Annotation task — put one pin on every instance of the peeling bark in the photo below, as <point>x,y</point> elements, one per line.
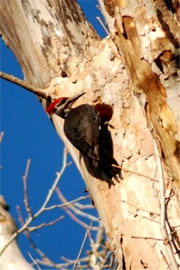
<point>134,71</point>
<point>47,37</point>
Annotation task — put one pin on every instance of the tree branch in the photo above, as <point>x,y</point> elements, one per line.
<point>31,88</point>
<point>82,246</point>
<point>25,177</point>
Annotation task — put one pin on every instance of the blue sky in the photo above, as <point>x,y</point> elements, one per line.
<point>28,133</point>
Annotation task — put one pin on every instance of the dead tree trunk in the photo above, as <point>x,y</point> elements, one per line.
<point>134,70</point>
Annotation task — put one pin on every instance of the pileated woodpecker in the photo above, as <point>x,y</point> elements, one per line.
<point>85,127</point>
<point>81,126</point>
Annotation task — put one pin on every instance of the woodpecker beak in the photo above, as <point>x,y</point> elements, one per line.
<point>64,106</point>
<point>70,101</point>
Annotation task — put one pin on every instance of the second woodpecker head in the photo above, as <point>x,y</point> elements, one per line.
<point>62,106</point>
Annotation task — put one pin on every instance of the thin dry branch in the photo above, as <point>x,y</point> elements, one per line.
<point>34,261</point>
<point>83,206</point>
<point>33,245</point>
<point>25,178</point>
<point>74,209</point>
<point>102,24</point>
<point>67,203</point>
<point>73,217</point>
<point>146,238</point>
<point>27,232</point>
<point>63,266</point>
<point>43,225</point>
<point>135,172</point>
<point>31,88</point>
<point>77,212</point>
<point>82,245</point>
<point>95,245</point>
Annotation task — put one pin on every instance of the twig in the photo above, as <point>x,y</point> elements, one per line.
<point>95,245</point>
<point>33,245</point>
<point>63,266</point>
<point>102,24</point>
<point>34,261</point>
<point>146,238</point>
<point>138,173</point>
<point>31,88</point>
<point>42,225</point>
<point>83,206</point>
<point>100,235</point>
<point>164,257</point>
<point>166,240</point>
<point>76,211</point>
<point>82,246</point>
<point>51,191</point>
<point>67,203</point>
<point>136,213</point>
<point>25,177</point>
<point>139,209</point>
<point>174,229</point>
<point>77,220</point>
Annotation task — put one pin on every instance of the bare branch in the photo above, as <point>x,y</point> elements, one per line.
<point>31,88</point>
<point>95,245</point>
<point>51,191</point>
<point>103,26</point>
<point>33,245</point>
<point>146,238</point>
<point>75,210</point>
<point>25,177</point>
<point>138,173</point>
<point>32,229</point>
<point>83,206</point>
<point>77,220</point>
<point>82,246</point>
<point>66,204</point>
<point>34,261</point>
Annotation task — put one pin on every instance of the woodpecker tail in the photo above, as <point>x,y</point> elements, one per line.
<point>107,163</point>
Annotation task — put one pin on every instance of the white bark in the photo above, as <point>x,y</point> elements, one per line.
<point>12,258</point>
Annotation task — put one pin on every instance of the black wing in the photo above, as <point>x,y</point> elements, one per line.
<point>82,127</point>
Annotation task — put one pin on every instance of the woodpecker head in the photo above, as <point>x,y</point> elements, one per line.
<point>62,105</point>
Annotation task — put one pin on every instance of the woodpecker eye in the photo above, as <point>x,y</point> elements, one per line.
<point>61,102</point>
